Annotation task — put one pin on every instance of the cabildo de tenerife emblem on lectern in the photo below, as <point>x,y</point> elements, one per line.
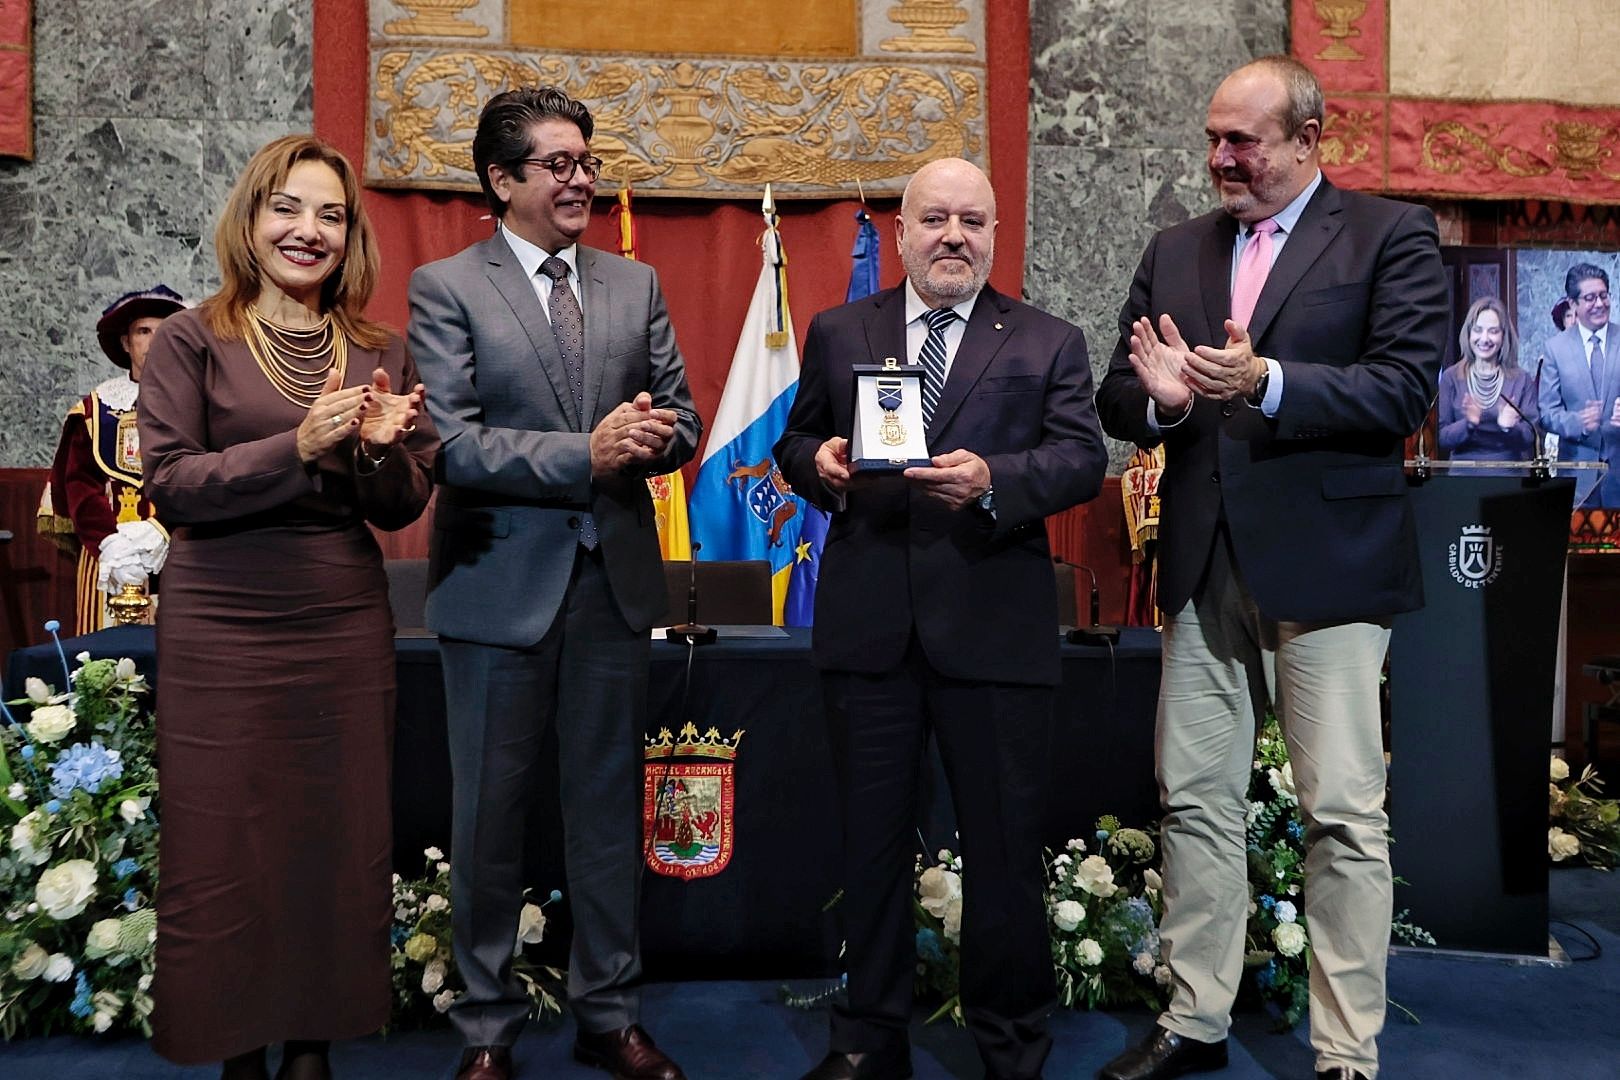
<point>689,801</point>
<point>1476,558</point>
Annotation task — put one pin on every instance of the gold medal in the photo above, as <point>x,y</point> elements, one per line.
<point>891,432</point>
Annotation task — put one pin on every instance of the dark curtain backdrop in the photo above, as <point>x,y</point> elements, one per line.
<point>703,249</point>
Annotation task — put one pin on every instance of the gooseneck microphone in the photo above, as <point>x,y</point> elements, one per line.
<point>691,632</point>
<point>1093,633</point>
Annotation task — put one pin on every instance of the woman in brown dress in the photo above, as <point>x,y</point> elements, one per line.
<point>271,436</point>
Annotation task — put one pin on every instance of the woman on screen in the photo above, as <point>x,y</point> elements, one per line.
<point>1487,407</point>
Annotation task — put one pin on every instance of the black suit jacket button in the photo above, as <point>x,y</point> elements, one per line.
<point>573,522</point>
<point>1227,410</point>
<point>1214,477</point>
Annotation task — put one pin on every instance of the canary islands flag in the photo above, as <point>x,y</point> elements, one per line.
<point>801,597</point>
<point>741,507</point>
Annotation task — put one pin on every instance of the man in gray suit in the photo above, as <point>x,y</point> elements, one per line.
<point>557,388</point>
<point>1580,385</point>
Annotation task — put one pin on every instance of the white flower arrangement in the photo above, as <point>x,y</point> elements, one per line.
<point>77,873</point>
<point>1584,826</point>
<point>426,982</point>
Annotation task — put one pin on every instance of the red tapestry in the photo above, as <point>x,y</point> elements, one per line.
<point>1501,137</point>
<point>16,79</point>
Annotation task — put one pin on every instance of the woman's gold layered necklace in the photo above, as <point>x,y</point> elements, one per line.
<point>296,360</point>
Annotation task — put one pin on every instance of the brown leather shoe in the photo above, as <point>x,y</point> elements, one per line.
<point>485,1063</point>
<point>629,1054</point>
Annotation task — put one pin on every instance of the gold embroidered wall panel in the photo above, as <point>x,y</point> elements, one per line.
<point>706,98</point>
<point>16,79</point>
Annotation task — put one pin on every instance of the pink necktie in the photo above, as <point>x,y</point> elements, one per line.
<point>1253,266</point>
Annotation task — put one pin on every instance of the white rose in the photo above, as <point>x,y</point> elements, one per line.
<point>1090,952</point>
<point>1286,912</point>
<point>64,891</point>
<point>102,939</point>
<point>1289,937</point>
<point>16,791</point>
<point>936,888</point>
<point>1152,880</point>
<point>30,963</point>
<point>443,1000</point>
<point>1068,915</point>
<point>126,670</point>
<point>443,867</point>
<point>435,902</point>
<point>133,810</point>
<point>433,976</point>
<point>58,969</point>
<point>1143,963</point>
<point>1560,769</point>
<point>531,926</point>
<point>1561,845</point>
<point>1076,845</point>
<point>433,853</point>
<point>36,690</point>
<point>1282,781</point>
<point>50,722</point>
<point>1096,877</point>
<point>952,920</point>
<point>1161,974</point>
<point>23,837</point>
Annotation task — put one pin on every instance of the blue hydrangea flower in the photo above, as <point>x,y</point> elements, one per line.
<point>132,899</point>
<point>1266,977</point>
<point>1141,911</point>
<point>81,1006</point>
<point>1295,830</point>
<point>123,868</point>
<point>928,946</point>
<point>53,806</point>
<point>84,766</point>
<point>1268,902</point>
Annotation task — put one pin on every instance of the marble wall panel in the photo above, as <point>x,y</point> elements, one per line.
<point>1119,90</point>
<point>147,110</point>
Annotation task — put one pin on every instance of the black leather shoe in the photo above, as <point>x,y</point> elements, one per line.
<point>877,1065</point>
<point>1165,1054</point>
<point>1340,1072</point>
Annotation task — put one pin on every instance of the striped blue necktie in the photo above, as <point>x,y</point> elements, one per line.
<point>932,358</point>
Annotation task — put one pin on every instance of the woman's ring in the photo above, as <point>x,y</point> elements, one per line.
<point>337,421</point>
<point>410,429</point>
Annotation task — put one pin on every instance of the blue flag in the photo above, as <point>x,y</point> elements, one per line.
<point>865,267</point>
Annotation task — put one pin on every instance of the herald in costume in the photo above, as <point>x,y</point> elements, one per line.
<point>93,501</point>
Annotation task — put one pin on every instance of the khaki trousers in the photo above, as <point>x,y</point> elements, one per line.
<point>1223,661</point>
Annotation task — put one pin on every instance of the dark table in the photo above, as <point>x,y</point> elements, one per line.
<point>766,911</point>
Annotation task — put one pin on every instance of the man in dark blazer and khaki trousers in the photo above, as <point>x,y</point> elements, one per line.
<point>1286,545</point>
<point>557,387</point>
<point>936,611</point>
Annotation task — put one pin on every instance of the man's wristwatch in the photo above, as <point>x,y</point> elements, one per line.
<point>1259,394</point>
<point>987,501</point>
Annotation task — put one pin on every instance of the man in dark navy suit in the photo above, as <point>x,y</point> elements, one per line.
<point>1281,348</point>
<point>936,611</point>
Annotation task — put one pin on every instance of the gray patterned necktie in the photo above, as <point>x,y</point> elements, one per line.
<point>1595,362</point>
<point>568,325</point>
<point>932,358</point>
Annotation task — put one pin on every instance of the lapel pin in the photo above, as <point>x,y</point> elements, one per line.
<point>998,326</point>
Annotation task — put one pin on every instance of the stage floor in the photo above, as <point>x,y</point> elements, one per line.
<point>1478,1020</point>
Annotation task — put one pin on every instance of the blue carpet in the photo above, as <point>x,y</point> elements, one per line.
<point>1477,1019</point>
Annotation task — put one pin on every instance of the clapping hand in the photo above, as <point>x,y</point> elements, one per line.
<point>334,417</point>
<point>1160,363</point>
<point>634,433</point>
<point>1471,410</point>
<point>386,416</point>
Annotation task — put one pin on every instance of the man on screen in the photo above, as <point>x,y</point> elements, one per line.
<point>1580,386</point>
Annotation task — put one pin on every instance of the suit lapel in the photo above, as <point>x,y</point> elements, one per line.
<point>886,327</point>
<point>987,330</point>
<point>506,274</point>
<point>1215,278</point>
<point>1314,231</point>
<point>597,306</point>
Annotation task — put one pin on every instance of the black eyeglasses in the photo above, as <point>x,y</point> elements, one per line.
<point>562,167</point>
<point>1593,298</point>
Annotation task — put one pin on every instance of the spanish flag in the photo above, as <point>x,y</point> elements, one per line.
<point>668,491</point>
